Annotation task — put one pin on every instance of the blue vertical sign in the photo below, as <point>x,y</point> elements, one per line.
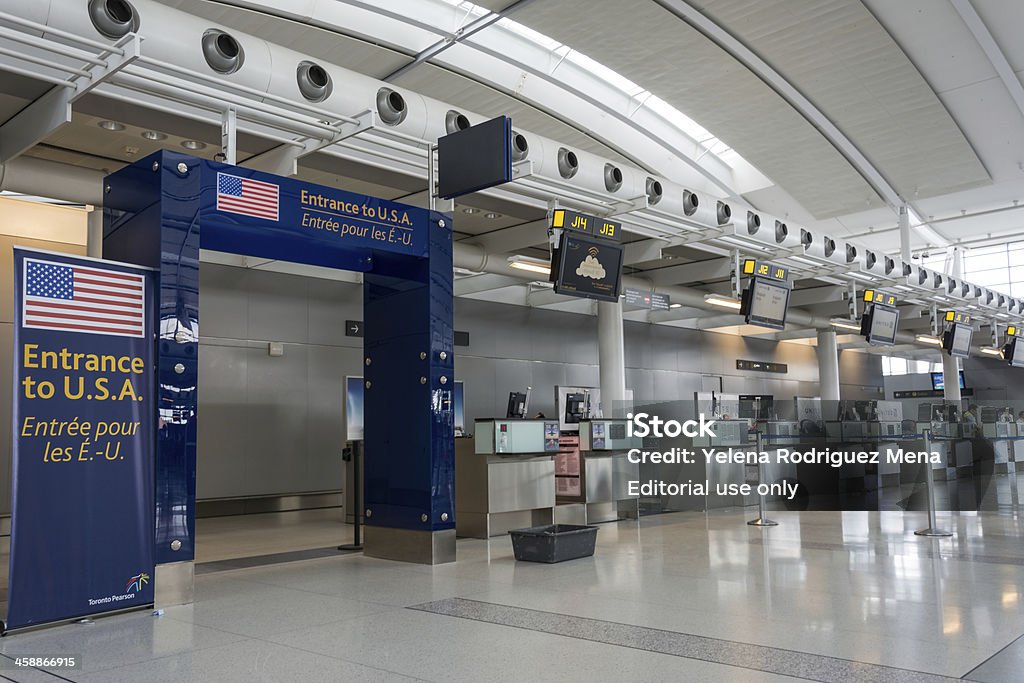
<point>84,432</point>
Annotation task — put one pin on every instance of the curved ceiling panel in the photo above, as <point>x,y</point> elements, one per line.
<point>839,56</point>
<point>654,49</point>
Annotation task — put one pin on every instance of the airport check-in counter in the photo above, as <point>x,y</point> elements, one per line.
<point>505,476</point>
<point>1003,433</point>
<point>730,436</point>
<point>605,473</point>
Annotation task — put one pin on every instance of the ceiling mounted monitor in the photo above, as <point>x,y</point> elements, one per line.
<point>765,302</point>
<point>879,324</point>
<point>957,340</point>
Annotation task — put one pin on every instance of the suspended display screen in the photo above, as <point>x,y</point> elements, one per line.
<point>1010,354</point>
<point>588,267</point>
<point>474,158</point>
<point>766,302</point>
<point>957,340</point>
<point>881,323</point>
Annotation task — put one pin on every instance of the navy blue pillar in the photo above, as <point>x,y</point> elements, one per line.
<point>151,218</point>
<point>408,399</point>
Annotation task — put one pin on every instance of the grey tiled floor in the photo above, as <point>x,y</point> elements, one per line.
<point>829,587</point>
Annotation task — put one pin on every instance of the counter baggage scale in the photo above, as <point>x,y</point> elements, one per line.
<point>593,474</point>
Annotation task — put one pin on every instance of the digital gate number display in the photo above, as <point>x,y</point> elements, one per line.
<point>591,225</point>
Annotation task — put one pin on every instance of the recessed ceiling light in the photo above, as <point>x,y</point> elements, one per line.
<point>470,209</point>
<point>111,125</point>
<point>492,215</point>
<point>153,135</point>
<point>193,144</point>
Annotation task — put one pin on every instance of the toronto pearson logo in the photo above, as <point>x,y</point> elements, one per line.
<point>136,583</point>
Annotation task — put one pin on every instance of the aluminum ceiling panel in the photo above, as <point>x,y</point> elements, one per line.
<point>656,50</point>
<point>838,55</point>
<point>460,91</point>
<point>319,43</point>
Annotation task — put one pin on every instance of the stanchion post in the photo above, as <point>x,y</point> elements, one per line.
<point>762,514</point>
<point>933,529</point>
<point>357,499</point>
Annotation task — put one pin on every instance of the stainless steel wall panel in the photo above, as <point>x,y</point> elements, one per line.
<point>278,307</point>
<point>221,457</point>
<point>223,302</point>
<point>275,421</point>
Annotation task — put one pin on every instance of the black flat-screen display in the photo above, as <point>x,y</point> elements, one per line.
<point>474,158</point>
<point>588,267</point>
<point>766,303</point>
<point>883,324</point>
<point>957,340</point>
<point>939,382</point>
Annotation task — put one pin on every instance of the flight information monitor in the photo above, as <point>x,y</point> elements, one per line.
<point>588,267</point>
<point>766,303</point>
<point>882,322</point>
<point>939,382</point>
<point>957,340</point>
<point>1010,353</point>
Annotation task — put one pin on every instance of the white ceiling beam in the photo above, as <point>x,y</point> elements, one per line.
<point>675,314</point>
<point>486,282</point>
<point>512,239</point>
<point>700,271</point>
<point>992,50</point>
<point>546,297</point>
<point>642,251</point>
<point>37,121</point>
<point>690,14</point>
<point>816,295</point>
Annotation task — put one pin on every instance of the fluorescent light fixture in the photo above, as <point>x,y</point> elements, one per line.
<point>990,351</point>
<point>529,264</point>
<point>846,325</point>
<point>926,339</point>
<point>675,305</point>
<point>722,301</point>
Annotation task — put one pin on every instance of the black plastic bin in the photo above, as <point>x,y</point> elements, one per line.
<point>553,543</point>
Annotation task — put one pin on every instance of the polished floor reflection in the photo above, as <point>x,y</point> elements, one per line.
<point>681,597</point>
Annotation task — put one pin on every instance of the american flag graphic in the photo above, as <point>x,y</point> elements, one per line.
<point>92,300</point>
<point>247,196</point>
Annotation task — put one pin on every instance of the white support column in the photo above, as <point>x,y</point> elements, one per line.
<point>951,378</point>
<point>94,233</point>
<point>905,233</point>
<point>611,352</point>
<point>828,365</point>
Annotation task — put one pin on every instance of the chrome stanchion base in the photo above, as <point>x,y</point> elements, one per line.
<point>941,533</point>
<point>761,521</point>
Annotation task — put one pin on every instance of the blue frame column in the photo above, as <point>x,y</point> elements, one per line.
<point>409,421</point>
<point>151,217</point>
